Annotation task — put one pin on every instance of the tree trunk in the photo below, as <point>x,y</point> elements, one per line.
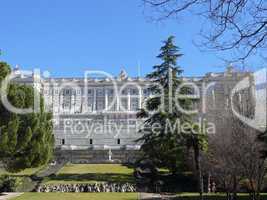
<point>227,195</point>
<point>209,189</point>
<point>235,188</point>
<point>199,169</point>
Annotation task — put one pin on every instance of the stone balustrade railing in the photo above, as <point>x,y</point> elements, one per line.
<point>87,187</point>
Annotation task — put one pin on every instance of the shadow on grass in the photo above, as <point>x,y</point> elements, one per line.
<point>95,177</point>
<point>217,197</point>
<point>77,196</point>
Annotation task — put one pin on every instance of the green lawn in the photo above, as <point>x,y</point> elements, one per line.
<point>78,196</point>
<point>88,173</point>
<point>95,169</point>
<point>216,198</point>
<point>117,196</point>
<point>222,196</point>
<point>26,172</point>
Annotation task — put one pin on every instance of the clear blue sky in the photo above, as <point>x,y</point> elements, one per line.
<point>68,37</point>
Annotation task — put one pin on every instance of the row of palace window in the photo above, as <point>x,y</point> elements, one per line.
<point>100,103</point>
<point>99,92</point>
<point>63,142</point>
<point>100,121</point>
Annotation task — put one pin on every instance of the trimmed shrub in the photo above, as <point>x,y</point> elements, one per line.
<point>9,183</point>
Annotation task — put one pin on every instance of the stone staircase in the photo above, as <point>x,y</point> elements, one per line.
<point>51,169</point>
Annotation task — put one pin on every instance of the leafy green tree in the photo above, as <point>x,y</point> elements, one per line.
<point>25,140</point>
<point>5,70</point>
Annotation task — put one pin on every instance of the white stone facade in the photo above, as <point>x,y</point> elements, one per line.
<point>89,114</point>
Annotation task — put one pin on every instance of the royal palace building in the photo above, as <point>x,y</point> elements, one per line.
<point>100,113</point>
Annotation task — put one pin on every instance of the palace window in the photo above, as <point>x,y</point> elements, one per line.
<point>132,123</point>
<point>112,103</point>
<point>110,92</point>
<point>118,141</point>
<point>123,104</point>
<point>91,141</point>
<point>100,92</point>
<point>90,92</point>
<point>90,103</point>
<point>134,104</point>
<point>134,91</point>
<point>100,103</point>
<point>63,141</point>
<point>124,92</point>
<point>146,92</point>
<point>67,92</point>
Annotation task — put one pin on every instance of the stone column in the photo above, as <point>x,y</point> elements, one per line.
<point>118,101</point>
<point>53,100</point>
<point>140,98</point>
<point>60,101</point>
<point>71,101</point>
<point>84,99</point>
<point>75,101</point>
<point>106,99</point>
<point>57,102</point>
<point>129,100</point>
<point>94,101</point>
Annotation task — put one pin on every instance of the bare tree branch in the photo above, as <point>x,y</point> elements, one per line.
<point>239,25</point>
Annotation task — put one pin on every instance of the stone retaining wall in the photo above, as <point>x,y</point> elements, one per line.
<point>97,156</point>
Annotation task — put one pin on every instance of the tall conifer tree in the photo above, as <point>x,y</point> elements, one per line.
<point>25,140</point>
<point>165,144</point>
